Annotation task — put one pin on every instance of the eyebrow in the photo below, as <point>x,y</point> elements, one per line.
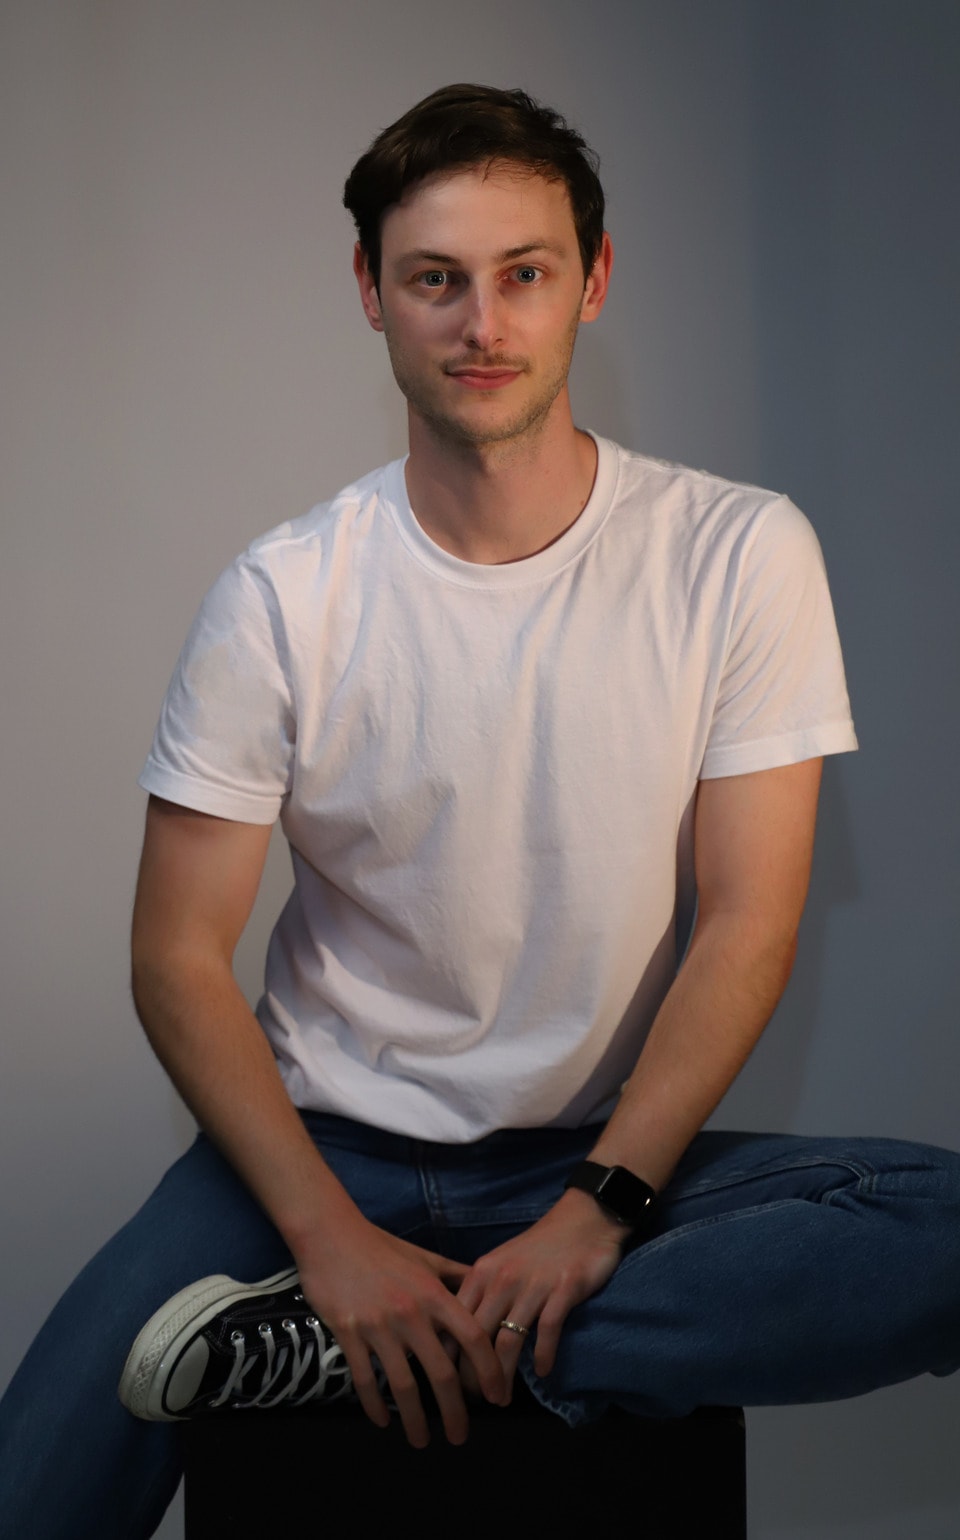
<point>443,259</point>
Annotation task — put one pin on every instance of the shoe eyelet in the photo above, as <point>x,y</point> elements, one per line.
<point>236,1336</point>
<point>286,1323</point>
<point>298,1294</point>
<point>311,1321</point>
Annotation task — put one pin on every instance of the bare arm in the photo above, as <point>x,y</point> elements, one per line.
<point>198,880</point>
<point>753,849</point>
<point>196,888</point>
<point>753,846</point>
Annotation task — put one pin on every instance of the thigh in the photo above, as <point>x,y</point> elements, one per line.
<point>202,1219</point>
<point>61,1413</point>
<point>199,1220</point>
<point>724,1172</point>
<point>779,1269</point>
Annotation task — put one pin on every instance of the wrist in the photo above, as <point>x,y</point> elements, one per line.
<point>321,1225</point>
<point>580,1209</point>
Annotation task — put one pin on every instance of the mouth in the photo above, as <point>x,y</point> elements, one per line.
<point>484,379</point>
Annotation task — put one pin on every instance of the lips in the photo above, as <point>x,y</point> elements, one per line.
<point>484,379</point>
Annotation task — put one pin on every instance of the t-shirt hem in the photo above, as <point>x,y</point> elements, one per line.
<point>187,791</point>
<point>784,749</point>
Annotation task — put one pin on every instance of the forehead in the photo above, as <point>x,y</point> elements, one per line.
<point>479,208</point>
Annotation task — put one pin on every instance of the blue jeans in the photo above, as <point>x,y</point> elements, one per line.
<point>781,1269</point>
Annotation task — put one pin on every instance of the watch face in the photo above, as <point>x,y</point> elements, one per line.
<point>624,1193</point>
<point>625,1196</point>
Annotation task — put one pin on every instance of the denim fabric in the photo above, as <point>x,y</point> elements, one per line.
<point>780,1269</point>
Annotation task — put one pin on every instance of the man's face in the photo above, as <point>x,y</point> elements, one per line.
<point>481,292</point>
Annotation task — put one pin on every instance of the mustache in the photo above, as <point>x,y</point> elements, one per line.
<point>491,361</point>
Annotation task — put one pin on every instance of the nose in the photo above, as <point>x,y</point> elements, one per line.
<point>484,325</point>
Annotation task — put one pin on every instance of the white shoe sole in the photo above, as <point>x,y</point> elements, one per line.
<point>172,1327</point>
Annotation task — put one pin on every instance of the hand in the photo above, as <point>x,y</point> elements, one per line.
<point>538,1277</point>
<point>383,1297</point>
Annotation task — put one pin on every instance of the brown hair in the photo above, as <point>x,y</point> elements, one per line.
<point>470,125</point>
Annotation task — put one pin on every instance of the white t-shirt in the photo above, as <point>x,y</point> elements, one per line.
<point>486,776</point>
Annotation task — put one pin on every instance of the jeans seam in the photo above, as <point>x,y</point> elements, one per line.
<point>656,1242</point>
<point>432,1194</point>
<point>866,1183</point>
<point>862,1171</point>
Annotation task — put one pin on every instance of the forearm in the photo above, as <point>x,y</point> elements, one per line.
<point>722,998</point>
<point>214,1050</point>
<point>382,1297</point>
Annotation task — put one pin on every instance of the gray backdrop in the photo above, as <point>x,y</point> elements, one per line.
<point>185,365</point>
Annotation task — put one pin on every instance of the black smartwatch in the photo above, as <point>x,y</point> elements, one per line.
<point>619,1193</point>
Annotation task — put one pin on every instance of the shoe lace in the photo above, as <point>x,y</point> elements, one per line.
<point>287,1367</point>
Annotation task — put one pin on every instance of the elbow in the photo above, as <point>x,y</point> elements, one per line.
<point>149,968</point>
<point>754,946</point>
<point>772,956</point>
<point>786,955</point>
<point>147,985</point>
<point>157,980</point>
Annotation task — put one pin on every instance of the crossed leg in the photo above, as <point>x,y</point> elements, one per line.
<point>781,1270</point>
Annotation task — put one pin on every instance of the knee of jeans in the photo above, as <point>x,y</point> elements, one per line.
<point>942,1184</point>
<point>933,1191</point>
<point>924,1171</point>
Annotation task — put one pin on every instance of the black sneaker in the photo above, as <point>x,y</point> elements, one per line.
<point>220,1343</point>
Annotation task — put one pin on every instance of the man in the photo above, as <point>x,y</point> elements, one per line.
<point>539,717</point>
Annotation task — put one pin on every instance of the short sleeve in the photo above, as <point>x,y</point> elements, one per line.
<point>782,695</point>
<point>225,740</point>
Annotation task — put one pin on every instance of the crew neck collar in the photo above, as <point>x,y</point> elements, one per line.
<point>512,574</point>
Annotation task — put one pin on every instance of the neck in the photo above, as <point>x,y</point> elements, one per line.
<point>495,503</point>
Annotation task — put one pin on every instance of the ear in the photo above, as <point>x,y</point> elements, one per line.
<point>595,289</point>
<point>369,298</point>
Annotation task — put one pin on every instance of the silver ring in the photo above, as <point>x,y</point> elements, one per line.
<point>521,1331</point>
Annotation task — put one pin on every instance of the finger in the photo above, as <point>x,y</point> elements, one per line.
<point>545,1349</point>
<point>500,1304</point>
<point>406,1394</point>
<point>364,1379</point>
<point>549,1327</point>
<point>509,1346</point>
<point>510,1342</point>
<point>468,1378</point>
<point>447,1390</point>
<point>487,1286</point>
<point>477,1347</point>
<point>470,1291</point>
